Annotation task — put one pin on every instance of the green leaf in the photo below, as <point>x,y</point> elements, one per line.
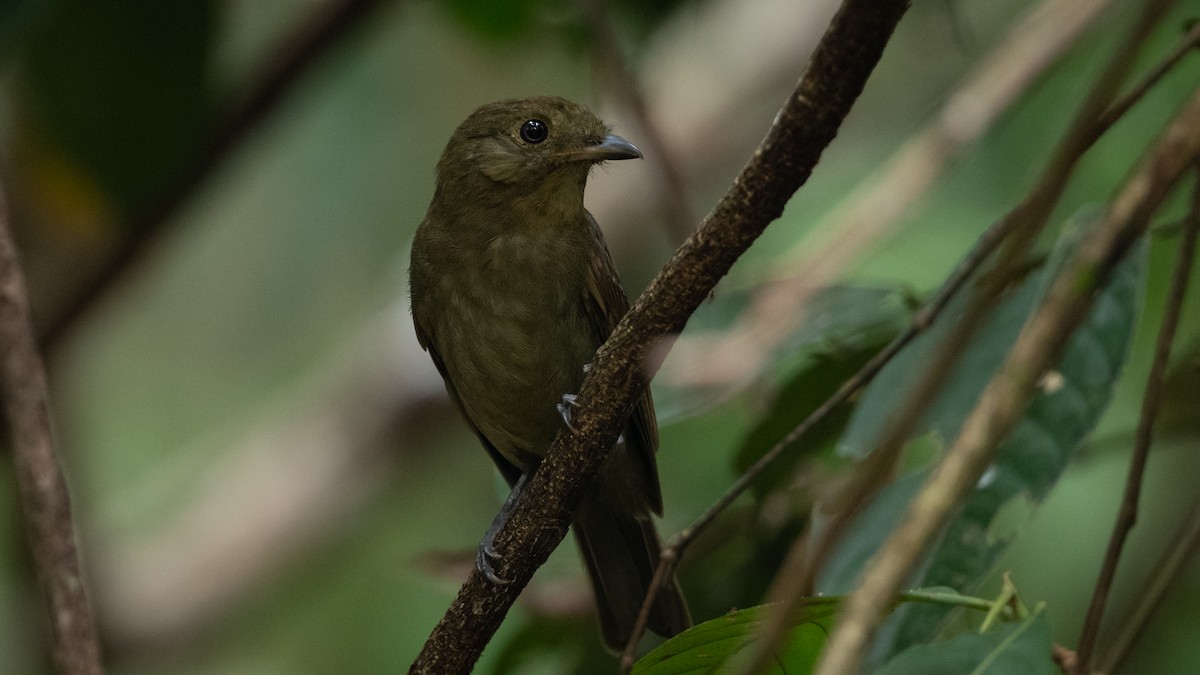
<point>706,647</point>
<point>1020,648</point>
<point>1029,462</point>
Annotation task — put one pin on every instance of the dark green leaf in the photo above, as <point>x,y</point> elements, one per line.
<point>1029,461</point>
<point>862,540</point>
<point>1019,648</point>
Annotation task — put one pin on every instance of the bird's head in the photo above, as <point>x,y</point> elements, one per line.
<point>532,144</point>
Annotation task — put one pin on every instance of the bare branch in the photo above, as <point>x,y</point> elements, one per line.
<point>803,128</point>
<point>45,500</point>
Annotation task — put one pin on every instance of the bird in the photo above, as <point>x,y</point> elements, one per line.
<point>512,290</point>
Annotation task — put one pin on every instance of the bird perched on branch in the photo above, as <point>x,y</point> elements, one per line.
<point>513,290</point>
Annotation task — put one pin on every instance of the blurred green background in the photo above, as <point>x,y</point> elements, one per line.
<point>267,475</point>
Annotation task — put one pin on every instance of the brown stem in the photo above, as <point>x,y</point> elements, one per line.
<point>1187,45</point>
<point>301,51</point>
<point>808,121</point>
<point>1127,516</point>
<point>1164,576</point>
<point>45,500</point>
<point>667,562</point>
<point>1004,400</point>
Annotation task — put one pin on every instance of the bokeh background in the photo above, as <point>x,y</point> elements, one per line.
<point>267,475</point>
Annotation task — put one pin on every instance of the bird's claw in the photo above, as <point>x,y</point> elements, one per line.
<point>483,562</point>
<point>487,551</point>
<point>564,408</point>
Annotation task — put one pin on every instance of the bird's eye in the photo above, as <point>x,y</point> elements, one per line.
<point>534,131</point>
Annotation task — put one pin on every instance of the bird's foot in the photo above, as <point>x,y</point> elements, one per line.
<point>564,408</point>
<point>487,554</point>
<point>484,559</point>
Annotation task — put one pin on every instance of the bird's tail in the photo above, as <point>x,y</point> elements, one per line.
<point>621,551</point>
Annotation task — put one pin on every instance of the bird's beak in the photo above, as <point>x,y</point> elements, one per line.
<point>612,147</point>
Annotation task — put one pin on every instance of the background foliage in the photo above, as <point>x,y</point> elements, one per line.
<point>267,475</point>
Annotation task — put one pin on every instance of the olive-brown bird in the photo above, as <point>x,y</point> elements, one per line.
<point>513,290</point>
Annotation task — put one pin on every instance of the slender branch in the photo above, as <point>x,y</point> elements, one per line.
<point>621,80</point>
<point>668,561</point>
<point>1127,516</point>
<point>1183,545</point>
<point>1003,401</point>
<point>1187,45</point>
<point>808,121</point>
<point>45,500</point>
<point>314,39</point>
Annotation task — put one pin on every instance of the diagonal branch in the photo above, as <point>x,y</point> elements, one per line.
<point>1005,397</point>
<point>808,121</point>
<point>44,497</point>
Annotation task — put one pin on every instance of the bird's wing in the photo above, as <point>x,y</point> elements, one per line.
<point>510,471</point>
<point>606,304</point>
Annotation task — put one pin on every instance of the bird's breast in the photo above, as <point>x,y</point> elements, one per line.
<point>514,335</point>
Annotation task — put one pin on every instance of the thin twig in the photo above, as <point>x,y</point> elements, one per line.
<point>1187,45</point>
<point>808,121</point>
<point>1004,400</point>
<point>1183,545</point>
<point>314,39</point>
<point>45,500</point>
<point>622,81</point>
<point>1128,514</point>
<point>667,562</point>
